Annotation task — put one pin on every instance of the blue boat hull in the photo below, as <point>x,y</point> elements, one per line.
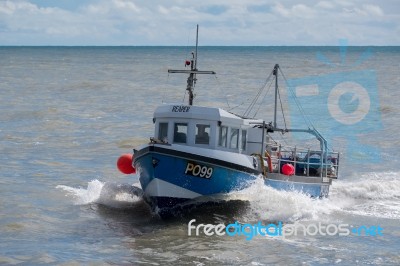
<point>170,177</point>
<point>166,178</point>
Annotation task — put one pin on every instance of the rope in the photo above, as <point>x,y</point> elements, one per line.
<point>265,95</point>
<point>283,114</point>
<point>254,101</point>
<point>302,112</point>
<point>240,104</point>
<point>223,92</point>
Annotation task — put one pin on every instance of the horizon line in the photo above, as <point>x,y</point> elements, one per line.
<point>94,45</point>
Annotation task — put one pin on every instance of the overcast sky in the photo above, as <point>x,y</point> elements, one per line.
<point>222,22</point>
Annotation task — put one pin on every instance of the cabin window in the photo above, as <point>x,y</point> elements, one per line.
<point>234,138</point>
<point>180,132</point>
<point>244,139</point>
<point>202,134</point>
<point>163,131</point>
<point>223,135</point>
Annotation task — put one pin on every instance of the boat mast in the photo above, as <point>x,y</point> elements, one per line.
<point>191,81</point>
<point>275,73</point>
<point>197,45</point>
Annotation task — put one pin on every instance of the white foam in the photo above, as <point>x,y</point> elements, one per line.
<point>83,196</point>
<point>109,194</point>
<point>373,186</point>
<point>270,204</point>
<point>374,194</point>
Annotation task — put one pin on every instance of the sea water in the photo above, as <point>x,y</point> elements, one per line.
<point>67,113</point>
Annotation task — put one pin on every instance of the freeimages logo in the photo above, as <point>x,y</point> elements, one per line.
<point>341,105</point>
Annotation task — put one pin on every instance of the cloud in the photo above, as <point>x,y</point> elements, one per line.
<point>325,5</point>
<point>214,9</point>
<point>372,10</point>
<point>24,18</point>
<point>297,11</point>
<point>281,10</point>
<point>235,22</point>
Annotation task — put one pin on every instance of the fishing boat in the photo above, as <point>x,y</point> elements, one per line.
<point>199,151</point>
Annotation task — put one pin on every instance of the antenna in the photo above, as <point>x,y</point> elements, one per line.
<point>191,81</point>
<point>197,44</point>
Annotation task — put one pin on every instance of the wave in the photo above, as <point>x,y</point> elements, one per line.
<point>109,194</point>
<point>269,204</point>
<point>373,194</point>
<point>82,196</point>
<point>371,186</point>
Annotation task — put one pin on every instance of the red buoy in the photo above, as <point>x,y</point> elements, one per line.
<point>124,164</point>
<point>288,169</point>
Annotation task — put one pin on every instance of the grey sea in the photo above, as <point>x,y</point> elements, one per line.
<point>68,113</point>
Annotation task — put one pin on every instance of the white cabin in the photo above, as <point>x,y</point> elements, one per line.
<point>207,127</point>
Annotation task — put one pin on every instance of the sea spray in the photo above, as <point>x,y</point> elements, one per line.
<point>108,194</point>
<point>369,195</point>
<point>83,196</point>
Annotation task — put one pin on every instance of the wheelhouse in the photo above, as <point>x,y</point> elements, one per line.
<point>204,127</point>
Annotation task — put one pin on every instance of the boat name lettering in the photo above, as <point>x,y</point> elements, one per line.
<point>199,170</point>
<point>180,109</point>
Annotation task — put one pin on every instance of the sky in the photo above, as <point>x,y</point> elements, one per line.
<point>221,22</point>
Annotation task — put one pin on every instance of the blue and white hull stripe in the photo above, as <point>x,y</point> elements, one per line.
<point>171,175</point>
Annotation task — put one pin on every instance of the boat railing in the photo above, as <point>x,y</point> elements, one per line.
<point>306,162</point>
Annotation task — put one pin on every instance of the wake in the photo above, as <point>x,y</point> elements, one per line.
<point>108,194</point>
<point>374,194</point>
